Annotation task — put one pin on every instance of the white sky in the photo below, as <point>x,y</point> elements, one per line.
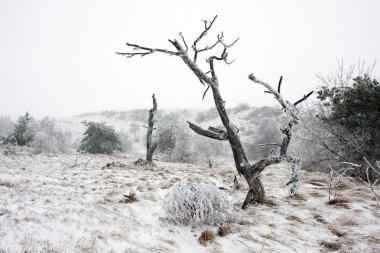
<point>58,58</point>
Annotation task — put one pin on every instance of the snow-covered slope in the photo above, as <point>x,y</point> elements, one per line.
<point>132,122</point>
<point>75,203</point>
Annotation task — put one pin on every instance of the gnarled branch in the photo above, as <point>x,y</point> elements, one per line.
<point>212,133</point>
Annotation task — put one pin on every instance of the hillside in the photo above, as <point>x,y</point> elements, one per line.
<point>253,124</point>
<point>75,203</point>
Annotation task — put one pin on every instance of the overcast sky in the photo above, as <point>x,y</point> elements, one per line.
<point>57,57</point>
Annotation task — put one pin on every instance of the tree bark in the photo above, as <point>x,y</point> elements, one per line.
<point>150,145</point>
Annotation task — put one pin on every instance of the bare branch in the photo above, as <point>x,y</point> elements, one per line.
<point>208,133</point>
<point>303,99</point>
<point>204,94</point>
<point>207,27</point>
<point>143,51</point>
<point>284,104</point>
<point>184,41</point>
<point>269,144</point>
<point>279,85</point>
<point>217,130</point>
<point>376,170</point>
<point>208,47</point>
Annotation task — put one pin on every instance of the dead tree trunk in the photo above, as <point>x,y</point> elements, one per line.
<point>150,145</point>
<point>251,172</point>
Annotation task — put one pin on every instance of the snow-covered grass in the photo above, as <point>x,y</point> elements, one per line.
<point>76,203</point>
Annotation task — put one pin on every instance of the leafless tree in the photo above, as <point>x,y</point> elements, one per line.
<point>209,79</point>
<point>150,145</point>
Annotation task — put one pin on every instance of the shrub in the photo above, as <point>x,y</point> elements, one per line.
<point>353,115</point>
<point>202,203</point>
<point>46,137</point>
<point>99,139</point>
<point>20,133</point>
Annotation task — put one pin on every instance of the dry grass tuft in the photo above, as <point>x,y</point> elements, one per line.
<point>316,194</point>
<point>297,196</point>
<point>6,184</point>
<point>224,230</point>
<point>320,219</point>
<point>349,222</point>
<point>330,246</point>
<point>339,203</point>
<point>2,212</point>
<point>144,163</point>
<point>317,182</point>
<point>249,237</point>
<point>337,232</point>
<point>131,197</point>
<point>245,222</point>
<point>206,236</point>
<point>269,202</point>
<point>295,218</point>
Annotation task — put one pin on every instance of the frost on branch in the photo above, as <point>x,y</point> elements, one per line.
<point>200,203</point>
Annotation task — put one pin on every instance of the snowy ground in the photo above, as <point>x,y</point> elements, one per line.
<point>73,203</point>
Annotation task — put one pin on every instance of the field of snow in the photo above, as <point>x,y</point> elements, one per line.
<point>75,203</point>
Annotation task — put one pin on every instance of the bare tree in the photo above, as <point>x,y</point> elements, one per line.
<point>150,145</point>
<point>251,172</point>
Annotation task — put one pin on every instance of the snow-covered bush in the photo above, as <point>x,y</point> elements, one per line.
<point>201,203</point>
<point>47,138</point>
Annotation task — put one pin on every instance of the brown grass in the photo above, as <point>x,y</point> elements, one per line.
<point>344,186</point>
<point>245,222</point>
<point>320,219</point>
<point>339,203</point>
<point>250,238</point>
<point>349,222</point>
<point>295,218</point>
<point>337,232</point>
<point>6,184</point>
<point>297,196</point>
<point>316,194</point>
<point>224,230</point>
<point>269,202</point>
<point>131,197</point>
<point>206,236</point>
<point>330,246</point>
<point>317,182</point>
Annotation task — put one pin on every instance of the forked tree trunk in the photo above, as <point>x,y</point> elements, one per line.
<point>256,189</point>
<point>150,145</point>
<point>251,172</point>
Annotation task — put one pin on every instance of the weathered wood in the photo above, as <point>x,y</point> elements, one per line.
<point>221,136</point>
<point>150,145</point>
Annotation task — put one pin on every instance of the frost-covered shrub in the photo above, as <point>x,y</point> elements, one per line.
<point>201,203</point>
<point>47,138</point>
